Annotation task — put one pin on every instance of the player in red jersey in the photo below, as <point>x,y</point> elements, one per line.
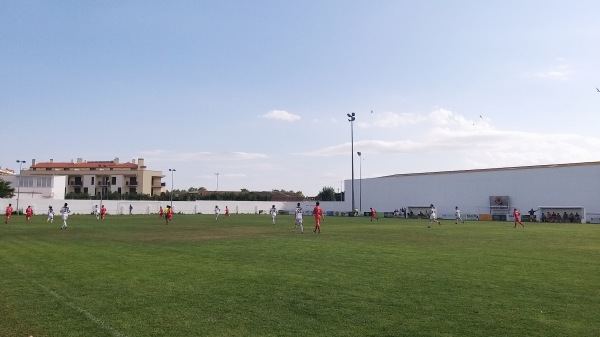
<point>374,214</point>
<point>9,211</point>
<point>102,212</point>
<point>28,213</point>
<point>161,212</point>
<point>517,216</point>
<point>318,213</point>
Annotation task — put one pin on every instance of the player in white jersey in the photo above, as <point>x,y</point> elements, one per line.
<point>50,214</point>
<point>97,212</point>
<point>217,212</point>
<point>433,216</point>
<point>65,215</point>
<point>457,215</point>
<point>298,216</point>
<point>273,212</point>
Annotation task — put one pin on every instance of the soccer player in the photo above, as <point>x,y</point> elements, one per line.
<point>273,213</point>
<point>318,213</point>
<point>298,221</point>
<point>65,215</point>
<point>433,216</point>
<point>457,215</point>
<point>28,213</point>
<point>102,212</point>
<point>226,211</point>
<point>161,212</point>
<point>373,214</point>
<point>168,214</point>
<point>130,209</point>
<point>96,212</point>
<point>217,212</point>
<point>8,213</point>
<point>517,216</point>
<point>50,214</point>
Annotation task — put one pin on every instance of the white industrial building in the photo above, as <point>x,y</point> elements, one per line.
<point>561,187</point>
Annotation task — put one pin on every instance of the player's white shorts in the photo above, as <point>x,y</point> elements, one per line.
<point>299,221</point>
<point>433,216</point>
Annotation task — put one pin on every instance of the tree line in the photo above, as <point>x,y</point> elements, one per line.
<point>191,194</point>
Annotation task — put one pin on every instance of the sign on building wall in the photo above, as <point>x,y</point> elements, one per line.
<point>499,204</point>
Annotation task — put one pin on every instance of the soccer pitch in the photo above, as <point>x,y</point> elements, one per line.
<point>242,276</point>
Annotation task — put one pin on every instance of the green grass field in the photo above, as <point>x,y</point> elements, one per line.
<point>242,276</point>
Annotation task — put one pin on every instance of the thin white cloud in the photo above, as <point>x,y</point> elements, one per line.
<point>223,175</point>
<point>388,119</point>
<point>161,156</point>
<point>560,73</point>
<point>281,115</point>
<point>474,143</point>
<point>438,117</point>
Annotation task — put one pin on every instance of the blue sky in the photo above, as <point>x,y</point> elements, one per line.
<point>258,91</point>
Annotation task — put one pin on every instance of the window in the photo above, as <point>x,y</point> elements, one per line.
<point>93,180</point>
<point>25,181</point>
<point>114,180</point>
<point>44,182</point>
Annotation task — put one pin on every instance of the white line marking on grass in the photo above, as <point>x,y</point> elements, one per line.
<point>86,313</point>
<point>72,305</point>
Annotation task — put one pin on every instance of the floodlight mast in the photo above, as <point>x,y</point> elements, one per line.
<point>351,119</point>
<point>360,181</point>
<point>171,194</point>
<point>20,162</point>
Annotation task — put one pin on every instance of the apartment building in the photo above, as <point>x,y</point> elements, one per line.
<point>99,177</point>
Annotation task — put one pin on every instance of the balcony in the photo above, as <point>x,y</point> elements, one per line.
<point>76,182</point>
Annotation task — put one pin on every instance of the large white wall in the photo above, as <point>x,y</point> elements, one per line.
<point>115,207</point>
<point>574,185</point>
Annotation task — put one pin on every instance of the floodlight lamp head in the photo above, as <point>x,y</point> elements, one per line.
<point>358,153</point>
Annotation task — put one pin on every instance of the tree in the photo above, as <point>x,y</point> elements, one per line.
<point>326,194</point>
<point>6,191</point>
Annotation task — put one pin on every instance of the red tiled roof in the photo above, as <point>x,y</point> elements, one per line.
<point>87,165</point>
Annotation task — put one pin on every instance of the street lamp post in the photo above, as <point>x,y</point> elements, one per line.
<point>217,174</point>
<point>360,181</point>
<point>351,118</point>
<point>21,162</point>
<point>171,194</point>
